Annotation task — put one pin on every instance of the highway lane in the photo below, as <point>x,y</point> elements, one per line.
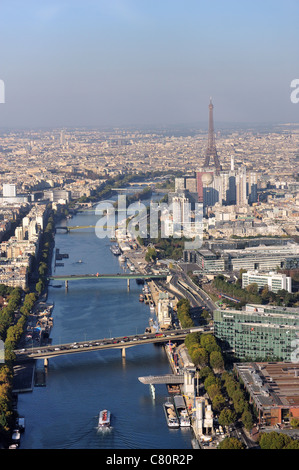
<point>193,293</point>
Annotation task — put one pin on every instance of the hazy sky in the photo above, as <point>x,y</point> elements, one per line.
<point>147,62</point>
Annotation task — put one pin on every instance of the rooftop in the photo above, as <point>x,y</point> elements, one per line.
<point>271,384</point>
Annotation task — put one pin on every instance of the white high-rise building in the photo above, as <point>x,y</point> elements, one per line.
<point>241,187</point>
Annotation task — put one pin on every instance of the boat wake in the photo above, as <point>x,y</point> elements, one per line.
<point>104,430</point>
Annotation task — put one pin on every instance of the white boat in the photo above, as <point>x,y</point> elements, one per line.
<point>115,250</point>
<point>170,414</point>
<point>16,436</point>
<point>152,308</point>
<point>122,258</point>
<point>104,418</point>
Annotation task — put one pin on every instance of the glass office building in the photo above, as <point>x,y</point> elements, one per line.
<point>259,332</point>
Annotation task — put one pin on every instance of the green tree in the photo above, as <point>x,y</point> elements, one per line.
<point>199,356</point>
<point>294,422</point>
<point>39,287</point>
<point>213,390</point>
<point>209,343</point>
<point>247,420</point>
<point>205,372</point>
<point>227,417</point>
<point>216,360</point>
<point>218,402</point>
<point>253,288</point>
<point>274,440</point>
<point>231,443</point>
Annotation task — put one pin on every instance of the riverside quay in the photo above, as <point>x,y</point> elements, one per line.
<point>259,332</point>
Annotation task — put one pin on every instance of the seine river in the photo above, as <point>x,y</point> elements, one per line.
<point>64,413</point>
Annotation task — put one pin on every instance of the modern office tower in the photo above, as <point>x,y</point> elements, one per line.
<point>211,152</point>
<point>191,186</point>
<point>241,187</point>
<point>252,187</point>
<point>19,233</point>
<point>179,184</point>
<point>62,137</point>
<point>232,163</point>
<point>274,281</point>
<point>258,331</point>
<point>181,213</point>
<point>9,190</point>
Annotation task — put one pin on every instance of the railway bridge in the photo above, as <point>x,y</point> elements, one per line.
<point>128,276</point>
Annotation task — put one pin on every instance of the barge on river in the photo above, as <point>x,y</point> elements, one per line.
<point>181,410</point>
<point>170,414</point>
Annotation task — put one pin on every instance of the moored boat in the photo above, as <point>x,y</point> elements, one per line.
<point>16,436</point>
<point>152,308</point>
<point>104,418</point>
<point>170,415</point>
<point>115,250</point>
<point>181,410</point>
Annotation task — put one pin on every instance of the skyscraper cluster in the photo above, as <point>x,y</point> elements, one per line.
<point>211,184</point>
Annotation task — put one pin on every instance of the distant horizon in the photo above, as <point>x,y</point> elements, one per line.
<point>201,126</point>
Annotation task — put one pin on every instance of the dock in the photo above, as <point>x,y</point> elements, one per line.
<point>23,378</point>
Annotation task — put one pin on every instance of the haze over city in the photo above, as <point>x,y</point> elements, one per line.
<point>139,63</point>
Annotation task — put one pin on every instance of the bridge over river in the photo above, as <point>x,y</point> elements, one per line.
<point>72,227</point>
<point>123,342</point>
<point>128,276</point>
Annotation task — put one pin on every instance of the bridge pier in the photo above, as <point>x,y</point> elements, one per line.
<point>46,362</point>
<point>128,284</point>
<point>123,353</point>
<point>66,286</point>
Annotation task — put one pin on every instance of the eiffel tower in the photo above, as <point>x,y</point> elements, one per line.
<point>211,151</point>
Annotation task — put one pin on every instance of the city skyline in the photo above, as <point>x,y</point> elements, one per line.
<point>129,63</point>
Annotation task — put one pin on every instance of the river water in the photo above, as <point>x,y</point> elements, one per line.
<point>64,413</point>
